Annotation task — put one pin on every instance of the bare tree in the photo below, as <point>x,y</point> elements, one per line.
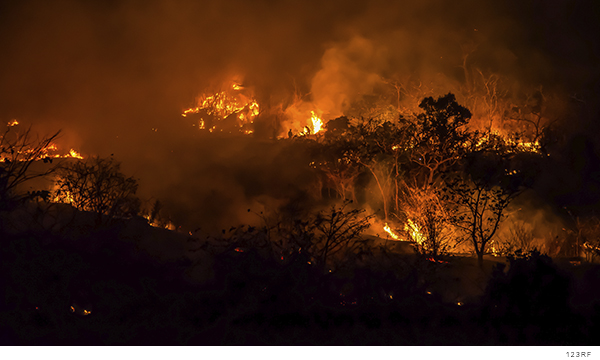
<point>477,209</point>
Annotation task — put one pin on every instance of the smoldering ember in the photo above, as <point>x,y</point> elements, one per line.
<point>227,172</point>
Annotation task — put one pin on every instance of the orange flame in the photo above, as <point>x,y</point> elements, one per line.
<point>317,123</point>
<point>390,232</point>
<point>415,232</point>
<point>74,154</point>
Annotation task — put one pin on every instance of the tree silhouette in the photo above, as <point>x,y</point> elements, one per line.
<point>18,152</point>
<point>98,185</point>
<point>439,137</point>
<point>478,196</point>
<point>337,231</point>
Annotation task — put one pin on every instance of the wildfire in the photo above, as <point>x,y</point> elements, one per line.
<point>390,232</point>
<point>516,144</point>
<point>225,110</point>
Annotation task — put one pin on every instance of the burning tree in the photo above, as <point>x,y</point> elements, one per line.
<point>98,185</point>
<point>18,152</point>
<point>427,222</point>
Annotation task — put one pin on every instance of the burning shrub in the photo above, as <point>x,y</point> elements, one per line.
<point>427,222</point>
<point>98,185</point>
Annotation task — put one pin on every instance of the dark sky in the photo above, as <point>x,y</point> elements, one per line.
<point>108,72</point>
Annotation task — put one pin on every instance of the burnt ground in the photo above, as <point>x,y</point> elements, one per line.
<point>131,284</point>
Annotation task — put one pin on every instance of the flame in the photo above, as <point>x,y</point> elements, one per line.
<point>414,232</point>
<point>49,151</point>
<point>155,223</point>
<point>13,122</point>
<point>74,154</point>
<point>390,232</point>
<point>316,122</point>
<point>494,251</point>
<point>65,197</point>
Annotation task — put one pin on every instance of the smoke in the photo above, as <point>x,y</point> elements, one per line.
<point>115,75</point>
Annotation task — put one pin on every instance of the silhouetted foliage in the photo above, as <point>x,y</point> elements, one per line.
<point>97,184</point>
<point>439,137</point>
<point>18,152</point>
<point>337,232</point>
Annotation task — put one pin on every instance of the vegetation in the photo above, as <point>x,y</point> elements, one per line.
<point>18,152</point>
<point>307,275</point>
<point>98,185</point>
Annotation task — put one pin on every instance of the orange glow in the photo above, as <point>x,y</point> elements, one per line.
<point>13,122</point>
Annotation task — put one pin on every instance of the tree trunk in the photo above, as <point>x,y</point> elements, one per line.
<point>480,259</point>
